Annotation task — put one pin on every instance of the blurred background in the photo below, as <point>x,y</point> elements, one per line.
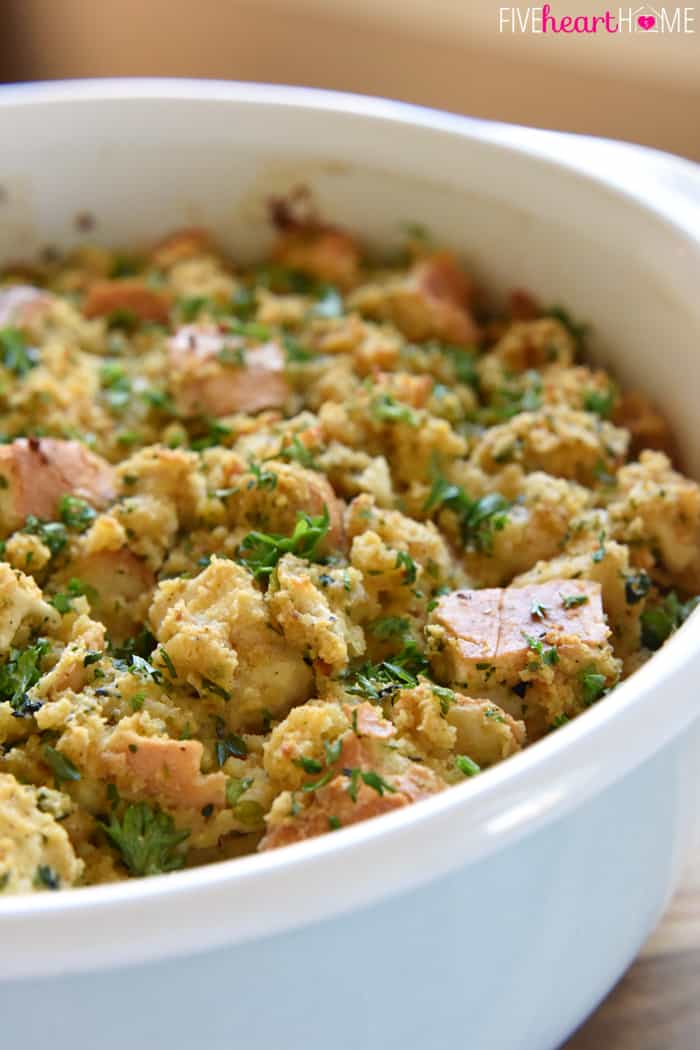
<point>639,86</point>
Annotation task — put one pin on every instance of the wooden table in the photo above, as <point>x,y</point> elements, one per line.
<point>656,1005</point>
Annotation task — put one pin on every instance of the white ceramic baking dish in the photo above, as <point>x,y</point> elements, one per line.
<point>497,914</point>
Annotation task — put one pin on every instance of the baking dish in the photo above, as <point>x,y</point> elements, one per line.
<point>500,911</point>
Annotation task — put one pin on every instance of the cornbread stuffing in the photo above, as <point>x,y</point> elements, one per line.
<point>289,546</point>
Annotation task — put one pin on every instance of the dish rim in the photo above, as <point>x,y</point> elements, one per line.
<point>507,801</point>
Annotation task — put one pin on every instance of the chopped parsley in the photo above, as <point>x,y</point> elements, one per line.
<point>368,777</point>
<point>329,302</point>
<point>600,402</point>
<point>296,352</point>
<point>467,766</point>
<point>387,409</point>
<point>659,622</point>
<point>235,788</point>
<point>550,656</point>
<point>117,386</point>
<point>599,552</point>
<point>379,681</point>
<point>260,551</point>
<point>61,766</point>
<point>48,878</point>
<point>572,601</point>
<point>577,329</point>
<point>297,451</point>
<point>15,355</point>
<point>249,329</point>
<point>216,431</point>
<point>216,689</point>
<point>158,399</point>
<point>637,586</point>
<point>228,745</point>
<point>538,611</point>
<point>594,686</point>
<point>510,401</point>
<point>478,519</point>
<point>124,266</point>
<point>264,479</point>
<point>233,356</point>
<point>405,561</point>
<point>462,359</point>
<point>18,674</point>
<point>63,600</point>
<point>165,657</point>
<point>190,307</point>
<point>243,303</point>
<point>389,627</point>
<point>76,513</point>
<point>51,533</point>
<point>140,667</point>
<point>446,697</point>
<point>147,839</point>
<point>321,782</point>
<point>309,765</point>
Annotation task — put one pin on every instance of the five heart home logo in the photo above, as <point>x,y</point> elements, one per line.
<point>645,19</point>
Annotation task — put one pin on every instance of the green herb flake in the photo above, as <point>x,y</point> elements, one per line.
<point>387,409</point>
<point>601,403</point>
<point>18,674</point>
<point>228,745</point>
<point>249,812</point>
<point>467,766</point>
<point>261,551</point>
<point>15,355</point>
<point>309,765</point>
<point>599,552</point>
<point>321,782</point>
<point>380,681</point>
<point>165,657</point>
<point>594,685</point>
<point>264,479</point>
<point>47,878</point>
<point>660,621</point>
<point>61,766</point>
<point>76,513</point>
<point>235,788</point>
<point>329,302</point>
<point>446,697</point>
<point>478,519</point>
<point>405,561</point>
<point>232,356</point>
<point>368,777</point>
<point>296,352</point>
<point>297,452</point>
<point>191,307</point>
<point>637,586</point>
<point>51,533</point>
<point>572,601</point>
<point>577,329</point>
<point>389,627</point>
<point>147,840</point>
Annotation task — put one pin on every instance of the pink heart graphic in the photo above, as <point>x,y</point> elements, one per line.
<point>646,21</point>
